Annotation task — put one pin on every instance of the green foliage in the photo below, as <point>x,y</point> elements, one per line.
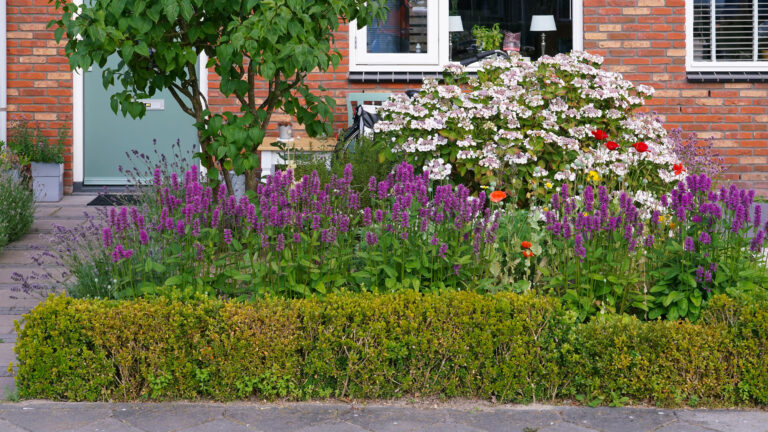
<point>17,208</point>
<point>28,144</point>
<point>369,157</point>
<point>274,41</point>
<point>514,348</point>
<point>488,38</point>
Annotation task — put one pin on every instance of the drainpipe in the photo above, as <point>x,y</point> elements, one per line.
<point>3,74</point>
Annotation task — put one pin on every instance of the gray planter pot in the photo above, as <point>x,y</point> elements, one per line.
<point>48,181</point>
<point>285,131</point>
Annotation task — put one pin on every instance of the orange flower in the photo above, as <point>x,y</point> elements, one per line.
<point>497,196</point>
<point>527,253</point>
<point>526,245</point>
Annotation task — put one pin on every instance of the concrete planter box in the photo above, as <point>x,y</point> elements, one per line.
<point>48,181</point>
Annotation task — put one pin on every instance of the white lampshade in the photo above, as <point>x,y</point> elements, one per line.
<point>454,24</point>
<point>543,23</point>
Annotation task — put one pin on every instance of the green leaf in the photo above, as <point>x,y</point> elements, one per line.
<point>171,9</point>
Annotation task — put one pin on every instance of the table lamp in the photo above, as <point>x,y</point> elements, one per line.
<point>454,26</point>
<point>543,23</point>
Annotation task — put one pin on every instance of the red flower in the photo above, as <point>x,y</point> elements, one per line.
<point>611,145</point>
<point>527,253</point>
<point>497,196</point>
<point>599,134</point>
<point>641,147</point>
<point>678,168</point>
<point>526,245</point>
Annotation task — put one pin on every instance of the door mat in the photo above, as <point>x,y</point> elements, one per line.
<point>114,200</point>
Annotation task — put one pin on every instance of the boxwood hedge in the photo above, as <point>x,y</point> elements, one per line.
<point>507,347</point>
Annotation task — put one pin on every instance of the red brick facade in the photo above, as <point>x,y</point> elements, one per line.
<point>39,78</point>
<point>643,39</point>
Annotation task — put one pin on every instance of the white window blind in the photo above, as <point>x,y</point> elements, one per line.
<point>730,32</point>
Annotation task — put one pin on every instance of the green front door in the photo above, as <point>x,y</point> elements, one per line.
<point>108,136</point>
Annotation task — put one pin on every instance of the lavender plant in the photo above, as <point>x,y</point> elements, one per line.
<point>17,206</point>
<point>297,239</point>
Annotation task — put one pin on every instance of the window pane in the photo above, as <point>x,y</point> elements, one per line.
<point>734,24</point>
<point>702,30</point>
<point>403,31</point>
<point>512,17</point>
<point>762,31</point>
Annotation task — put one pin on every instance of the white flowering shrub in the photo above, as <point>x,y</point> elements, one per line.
<point>527,127</point>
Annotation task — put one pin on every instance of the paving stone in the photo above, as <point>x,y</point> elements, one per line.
<point>563,427</point>
<point>218,425</point>
<point>333,427</point>
<point>631,419</point>
<point>55,417</point>
<point>450,427</point>
<point>726,421</point>
<point>8,427</point>
<point>9,256</point>
<point>508,420</point>
<point>7,387</point>
<point>385,419</point>
<point>682,427</point>
<point>285,419</point>
<point>167,417</point>
<point>46,225</point>
<point>6,323</point>
<point>106,425</point>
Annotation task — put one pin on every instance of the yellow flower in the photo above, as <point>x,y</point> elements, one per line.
<point>548,185</point>
<point>586,214</point>
<point>593,176</point>
<point>661,218</point>
<point>483,187</point>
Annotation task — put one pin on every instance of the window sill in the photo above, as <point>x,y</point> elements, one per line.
<point>726,77</point>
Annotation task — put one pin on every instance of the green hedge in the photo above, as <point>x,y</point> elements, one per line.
<point>509,347</point>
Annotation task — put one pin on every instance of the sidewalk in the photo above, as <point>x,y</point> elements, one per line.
<point>34,416</point>
<point>15,257</point>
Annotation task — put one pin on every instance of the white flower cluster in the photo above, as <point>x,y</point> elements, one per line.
<point>536,118</point>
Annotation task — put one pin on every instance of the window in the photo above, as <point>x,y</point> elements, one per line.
<point>727,35</point>
<point>420,35</point>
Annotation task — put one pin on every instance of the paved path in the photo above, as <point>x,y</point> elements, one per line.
<point>313,417</point>
<point>15,257</point>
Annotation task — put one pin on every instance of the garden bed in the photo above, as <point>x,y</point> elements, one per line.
<point>505,347</point>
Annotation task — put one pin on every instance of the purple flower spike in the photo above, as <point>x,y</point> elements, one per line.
<point>227,236</point>
<point>106,237</point>
<point>704,238</point>
<point>143,237</point>
<point>158,177</point>
<point>689,245</point>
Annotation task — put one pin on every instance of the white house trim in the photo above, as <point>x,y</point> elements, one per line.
<point>577,22</point>
<point>712,66</point>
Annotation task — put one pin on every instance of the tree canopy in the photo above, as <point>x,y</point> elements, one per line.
<point>159,43</point>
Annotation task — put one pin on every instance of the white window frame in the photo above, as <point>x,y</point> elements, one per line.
<point>430,57</point>
<point>692,65</point>
<point>359,61</point>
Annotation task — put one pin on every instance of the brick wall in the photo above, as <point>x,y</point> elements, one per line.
<point>645,40</point>
<point>39,79</point>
